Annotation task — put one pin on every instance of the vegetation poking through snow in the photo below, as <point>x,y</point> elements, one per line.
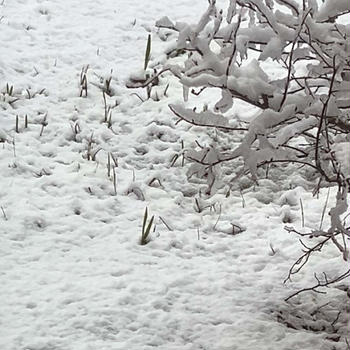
<point>146,228</point>
<point>303,115</point>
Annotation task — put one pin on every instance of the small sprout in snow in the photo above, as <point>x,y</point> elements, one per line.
<point>83,82</point>
<point>3,213</point>
<point>148,52</point>
<point>136,190</point>
<point>146,228</point>
<point>43,124</point>
<point>9,89</point>
<point>16,127</point>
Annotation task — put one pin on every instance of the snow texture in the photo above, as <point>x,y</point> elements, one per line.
<point>73,275</point>
<point>341,150</point>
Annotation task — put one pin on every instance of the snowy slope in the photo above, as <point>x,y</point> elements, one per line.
<point>72,273</point>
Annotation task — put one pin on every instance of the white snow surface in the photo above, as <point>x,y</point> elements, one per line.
<point>73,275</point>
<point>341,150</point>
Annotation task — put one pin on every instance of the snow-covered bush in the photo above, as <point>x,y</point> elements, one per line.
<point>288,59</point>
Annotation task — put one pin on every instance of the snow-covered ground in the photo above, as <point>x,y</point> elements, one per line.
<point>73,274</point>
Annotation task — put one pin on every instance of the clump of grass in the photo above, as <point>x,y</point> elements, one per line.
<point>146,228</point>
<point>107,86</point>
<point>83,82</point>
<point>9,89</point>
<point>43,123</point>
<point>76,130</point>
<point>17,129</point>
<point>91,152</point>
<point>112,167</point>
<point>8,95</point>
<point>107,111</point>
<point>31,95</point>
<point>150,79</point>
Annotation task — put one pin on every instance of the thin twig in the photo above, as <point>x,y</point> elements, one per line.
<point>321,284</point>
<point>302,213</point>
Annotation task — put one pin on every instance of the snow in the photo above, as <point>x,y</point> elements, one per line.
<point>73,275</point>
<point>341,150</point>
<point>273,49</point>
<point>331,8</point>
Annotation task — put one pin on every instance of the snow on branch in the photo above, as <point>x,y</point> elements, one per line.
<point>205,118</point>
<point>309,99</point>
<point>290,61</point>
